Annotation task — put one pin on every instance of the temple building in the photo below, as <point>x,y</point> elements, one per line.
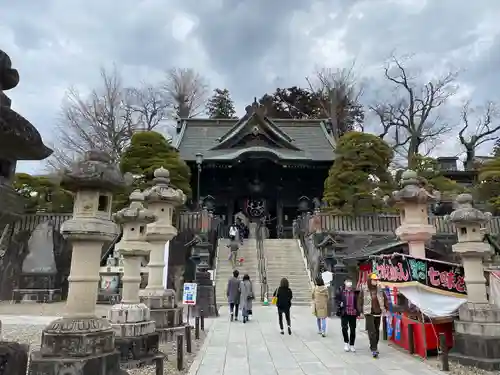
<point>257,166</point>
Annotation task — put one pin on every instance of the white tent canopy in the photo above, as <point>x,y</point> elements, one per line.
<point>432,304</point>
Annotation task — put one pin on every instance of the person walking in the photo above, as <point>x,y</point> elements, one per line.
<point>233,246</point>
<point>284,298</point>
<point>348,309</point>
<point>233,295</point>
<point>373,308</point>
<point>246,297</point>
<point>320,304</point>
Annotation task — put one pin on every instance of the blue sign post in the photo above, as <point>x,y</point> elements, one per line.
<point>189,294</point>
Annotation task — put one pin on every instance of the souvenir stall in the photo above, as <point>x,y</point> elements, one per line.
<point>422,293</point>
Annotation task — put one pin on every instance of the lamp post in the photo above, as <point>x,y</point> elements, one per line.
<point>199,161</point>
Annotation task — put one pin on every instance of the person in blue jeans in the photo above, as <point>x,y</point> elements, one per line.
<point>320,304</point>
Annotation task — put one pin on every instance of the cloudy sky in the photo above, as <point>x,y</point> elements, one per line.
<point>249,47</point>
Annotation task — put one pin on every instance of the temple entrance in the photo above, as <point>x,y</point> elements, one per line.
<point>257,209</point>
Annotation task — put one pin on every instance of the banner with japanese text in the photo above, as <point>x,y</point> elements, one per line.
<point>401,270</point>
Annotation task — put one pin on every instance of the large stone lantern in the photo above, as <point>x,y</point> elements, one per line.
<point>81,343</point>
<point>477,331</point>
<point>161,199</point>
<point>413,202</point>
<point>468,222</point>
<point>136,336</point>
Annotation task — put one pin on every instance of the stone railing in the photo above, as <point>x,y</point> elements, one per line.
<point>262,262</point>
<point>311,252</point>
<point>324,222</point>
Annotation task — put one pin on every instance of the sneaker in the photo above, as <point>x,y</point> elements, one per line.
<point>352,349</point>
<point>323,334</point>
<point>232,317</point>
<point>347,348</point>
<point>282,332</point>
<point>289,331</point>
<point>375,354</point>
<point>320,333</point>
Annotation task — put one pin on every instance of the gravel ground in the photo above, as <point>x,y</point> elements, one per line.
<point>170,364</point>
<point>31,335</point>
<point>456,369</point>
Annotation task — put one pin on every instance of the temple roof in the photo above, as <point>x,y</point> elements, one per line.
<point>227,139</point>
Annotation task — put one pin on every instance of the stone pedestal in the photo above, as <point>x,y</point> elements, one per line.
<point>80,343</point>
<point>205,296</point>
<point>413,202</point>
<point>36,287</point>
<point>77,346</point>
<point>205,289</point>
<point>161,199</point>
<point>477,336</point>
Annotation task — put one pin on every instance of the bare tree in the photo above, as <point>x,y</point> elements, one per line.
<point>411,118</point>
<point>339,97</point>
<point>483,131</point>
<point>148,106</point>
<point>187,90</point>
<point>106,118</point>
<point>100,120</point>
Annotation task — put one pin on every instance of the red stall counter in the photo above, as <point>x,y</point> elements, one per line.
<point>425,335</point>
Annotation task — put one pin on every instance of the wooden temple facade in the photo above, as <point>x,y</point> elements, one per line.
<point>261,167</point>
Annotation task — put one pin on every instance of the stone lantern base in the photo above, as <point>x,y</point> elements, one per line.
<point>77,346</point>
<point>135,335</point>
<point>169,320</point>
<point>205,296</point>
<point>477,336</point>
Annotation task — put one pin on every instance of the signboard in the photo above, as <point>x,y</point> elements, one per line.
<point>402,269</point>
<point>189,294</point>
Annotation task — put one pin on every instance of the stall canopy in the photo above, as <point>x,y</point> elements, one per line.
<point>436,288</point>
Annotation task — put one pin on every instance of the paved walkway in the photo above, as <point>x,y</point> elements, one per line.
<point>257,348</point>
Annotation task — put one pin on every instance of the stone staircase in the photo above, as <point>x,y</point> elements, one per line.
<point>284,259</point>
<point>224,268</point>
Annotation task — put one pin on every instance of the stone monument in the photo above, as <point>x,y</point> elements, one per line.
<point>37,281</point>
<point>413,202</point>
<point>135,334</point>
<point>162,198</point>
<point>477,331</point>
<point>81,343</point>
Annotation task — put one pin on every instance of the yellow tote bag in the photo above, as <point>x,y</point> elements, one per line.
<point>274,301</point>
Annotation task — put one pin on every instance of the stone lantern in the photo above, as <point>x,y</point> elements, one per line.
<point>468,222</point>
<point>81,343</point>
<point>413,202</point>
<point>136,336</point>
<point>161,198</point>
<point>477,331</point>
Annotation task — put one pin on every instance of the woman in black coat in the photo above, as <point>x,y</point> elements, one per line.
<point>284,297</point>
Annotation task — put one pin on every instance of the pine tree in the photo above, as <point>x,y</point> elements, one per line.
<point>359,176</point>
<point>220,105</point>
<point>149,151</point>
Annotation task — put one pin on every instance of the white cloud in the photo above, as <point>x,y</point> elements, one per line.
<point>248,47</point>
